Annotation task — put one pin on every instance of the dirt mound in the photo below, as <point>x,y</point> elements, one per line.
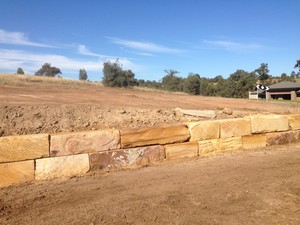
<point>50,109</point>
<point>25,119</point>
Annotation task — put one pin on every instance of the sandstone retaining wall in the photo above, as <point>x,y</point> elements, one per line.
<point>44,156</point>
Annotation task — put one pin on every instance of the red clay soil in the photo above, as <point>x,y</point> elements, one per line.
<point>252,187</point>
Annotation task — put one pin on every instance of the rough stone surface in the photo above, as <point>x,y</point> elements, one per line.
<point>280,138</point>
<point>227,111</point>
<point>208,146</point>
<point>133,157</point>
<point>219,145</point>
<point>254,141</point>
<point>16,172</point>
<point>198,113</point>
<point>235,127</point>
<point>294,121</point>
<point>269,123</point>
<point>204,130</point>
<point>84,142</point>
<point>62,167</point>
<point>152,136</point>
<point>230,144</point>
<point>19,148</point>
<point>182,150</point>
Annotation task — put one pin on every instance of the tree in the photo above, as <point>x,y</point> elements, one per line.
<point>192,84</point>
<point>297,65</point>
<point>171,73</point>
<point>20,71</point>
<point>263,72</point>
<point>48,71</point>
<point>293,74</point>
<point>237,75</point>
<point>115,76</point>
<point>83,74</point>
<point>129,78</point>
<point>285,77</point>
<point>172,83</point>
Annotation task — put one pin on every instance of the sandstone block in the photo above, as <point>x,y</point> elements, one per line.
<point>182,150</point>
<point>84,142</point>
<point>280,138</point>
<point>235,127</point>
<point>133,157</point>
<point>254,141</point>
<point>204,130</point>
<point>208,146</point>
<point>220,145</point>
<point>294,121</point>
<point>24,147</point>
<point>269,123</point>
<point>152,136</point>
<point>230,144</point>
<point>16,172</point>
<point>62,167</point>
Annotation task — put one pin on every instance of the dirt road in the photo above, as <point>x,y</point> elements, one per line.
<point>254,187</point>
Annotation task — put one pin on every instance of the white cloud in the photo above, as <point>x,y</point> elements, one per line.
<point>83,50</point>
<point>144,46</point>
<point>18,38</point>
<point>31,62</point>
<point>233,46</point>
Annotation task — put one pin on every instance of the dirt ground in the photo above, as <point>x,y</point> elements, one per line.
<point>31,110</point>
<point>253,187</point>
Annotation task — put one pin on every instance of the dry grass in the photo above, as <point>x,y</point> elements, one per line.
<point>43,82</point>
<point>158,90</point>
<point>38,81</point>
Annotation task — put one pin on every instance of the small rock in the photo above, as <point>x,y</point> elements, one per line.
<point>227,111</point>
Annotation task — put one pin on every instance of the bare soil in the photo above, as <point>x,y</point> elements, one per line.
<point>251,187</point>
<point>46,109</point>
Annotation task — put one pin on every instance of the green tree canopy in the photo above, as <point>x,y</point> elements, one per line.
<point>263,72</point>
<point>83,74</point>
<point>115,76</point>
<point>171,73</point>
<point>20,71</point>
<point>48,71</point>
<point>170,82</point>
<point>192,84</point>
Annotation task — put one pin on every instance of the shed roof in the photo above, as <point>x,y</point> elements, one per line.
<point>285,85</point>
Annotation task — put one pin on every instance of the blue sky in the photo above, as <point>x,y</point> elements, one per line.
<point>208,37</point>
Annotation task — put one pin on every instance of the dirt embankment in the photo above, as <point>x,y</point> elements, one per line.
<point>28,110</point>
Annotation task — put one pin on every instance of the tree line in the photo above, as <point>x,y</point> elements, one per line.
<point>236,85</point>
